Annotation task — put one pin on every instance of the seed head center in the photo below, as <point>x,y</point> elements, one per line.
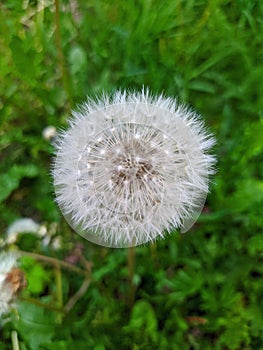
<point>131,168</point>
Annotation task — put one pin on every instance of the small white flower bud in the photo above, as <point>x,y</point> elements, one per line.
<point>49,132</point>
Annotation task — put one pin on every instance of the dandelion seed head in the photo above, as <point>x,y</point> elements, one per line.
<point>131,167</point>
<point>12,280</point>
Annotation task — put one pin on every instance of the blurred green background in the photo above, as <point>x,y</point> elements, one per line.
<point>202,290</point>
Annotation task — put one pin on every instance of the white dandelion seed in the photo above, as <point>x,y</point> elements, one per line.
<point>12,280</point>
<point>22,225</point>
<point>131,167</point>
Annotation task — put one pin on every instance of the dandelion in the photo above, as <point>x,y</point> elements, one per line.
<point>132,167</point>
<point>12,280</point>
<point>22,225</point>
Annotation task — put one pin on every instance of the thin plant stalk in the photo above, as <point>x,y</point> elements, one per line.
<point>61,57</point>
<point>73,300</point>
<point>58,264</point>
<point>36,302</point>
<point>14,338</point>
<point>54,261</point>
<point>59,290</point>
<point>131,264</point>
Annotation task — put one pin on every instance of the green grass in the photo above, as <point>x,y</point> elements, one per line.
<point>207,53</point>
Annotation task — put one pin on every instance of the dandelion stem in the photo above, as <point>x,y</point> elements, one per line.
<point>54,261</point>
<point>131,263</point>
<point>58,264</point>
<point>15,343</point>
<point>154,256</point>
<point>73,300</point>
<point>61,57</point>
<point>59,289</point>
<point>40,304</point>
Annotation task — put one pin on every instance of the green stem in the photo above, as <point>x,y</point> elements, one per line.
<point>61,57</point>
<point>59,286</point>
<point>54,261</point>
<point>73,300</point>
<point>131,264</point>
<point>58,264</point>
<point>59,291</point>
<point>40,304</point>
<point>15,343</point>
<point>154,256</point>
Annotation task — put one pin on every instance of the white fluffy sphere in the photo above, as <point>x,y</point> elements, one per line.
<point>132,167</point>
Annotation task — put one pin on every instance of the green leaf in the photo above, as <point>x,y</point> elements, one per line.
<point>236,334</point>
<point>248,193</point>
<point>11,179</point>
<point>183,284</point>
<point>255,244</point>
<point>143,320</point>
<point>77,59</point>
<point>202,86</point>
<point>26,59</point>
<point>35,325</point>
<point>36,275</point>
